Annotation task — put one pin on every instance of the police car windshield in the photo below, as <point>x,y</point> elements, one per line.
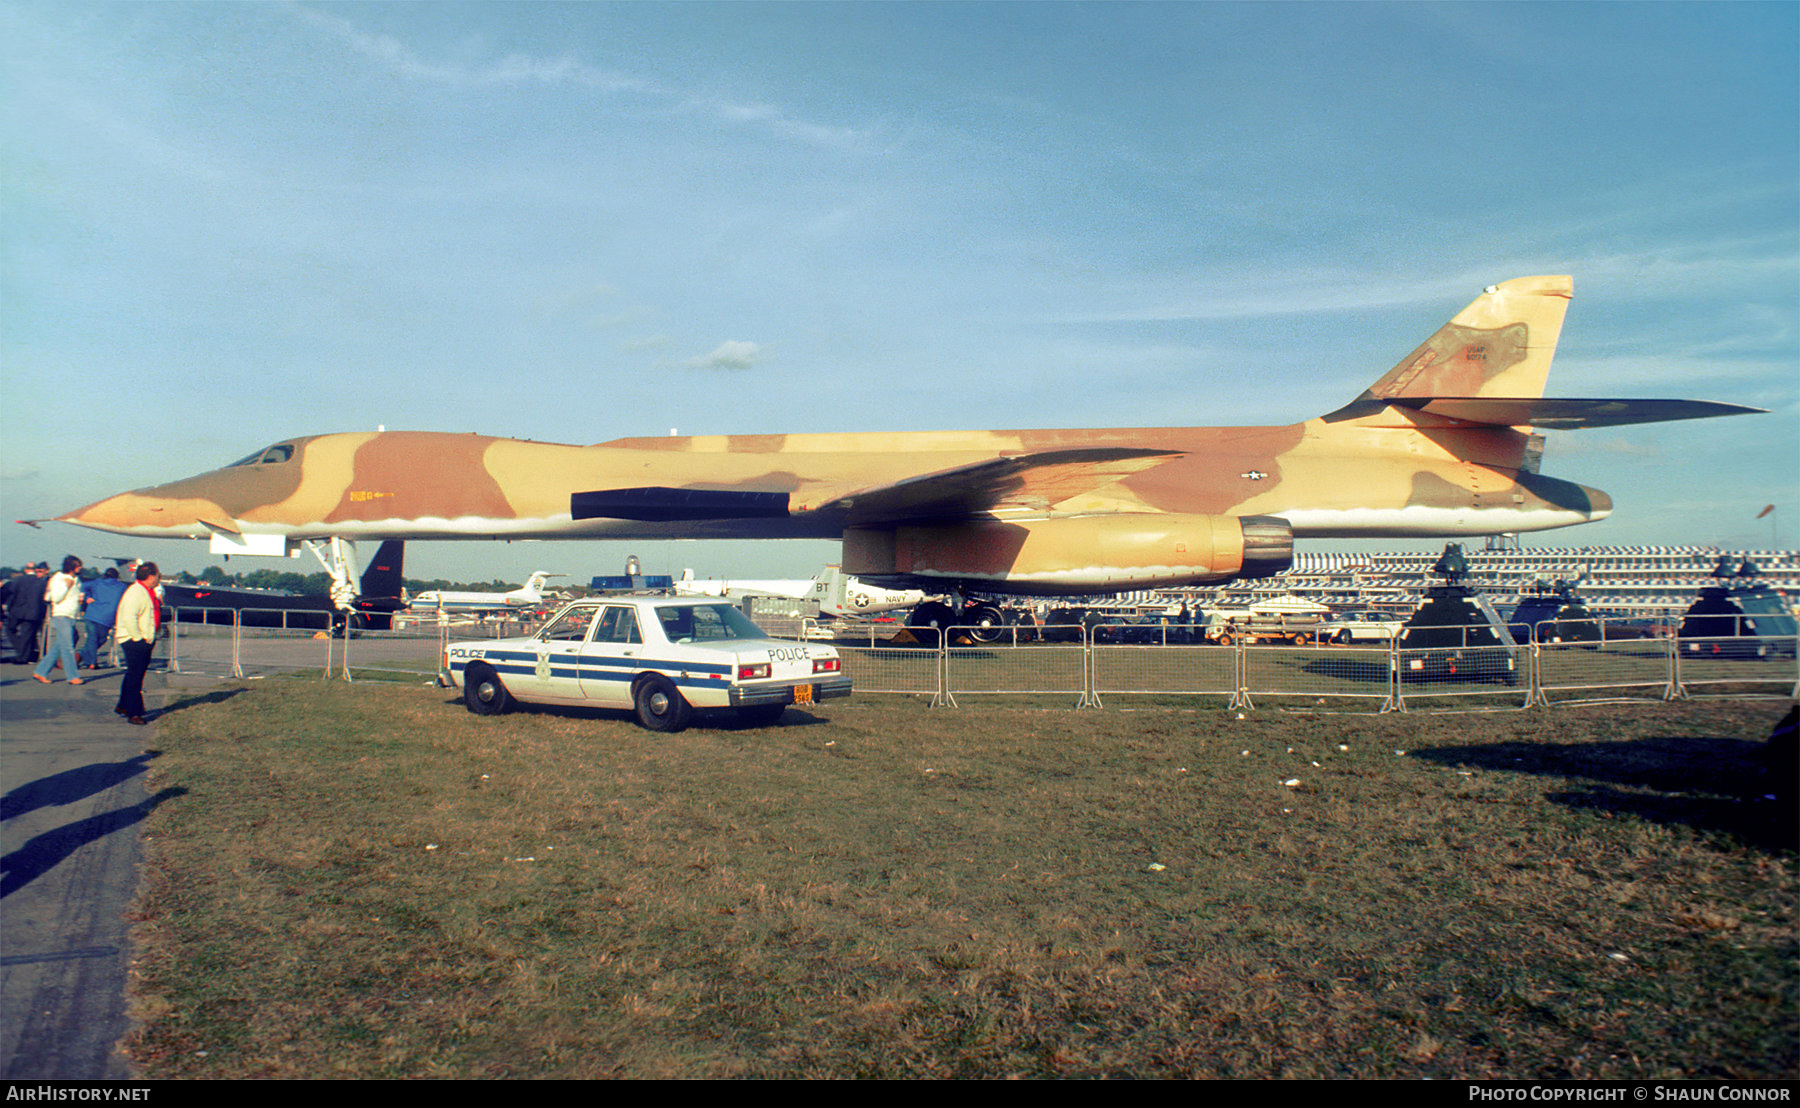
<point>706,623</point>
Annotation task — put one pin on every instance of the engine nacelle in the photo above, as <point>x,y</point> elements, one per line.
<point>1076,555</point>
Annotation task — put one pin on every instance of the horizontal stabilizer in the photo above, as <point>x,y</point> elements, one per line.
<point>1565,414</point>
<point>661,505</point>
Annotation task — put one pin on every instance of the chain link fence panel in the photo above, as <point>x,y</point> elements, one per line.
<point>1040,667</point>
<point>1743,665</point>
<point>1321,673</point>
<point>1585,661</point>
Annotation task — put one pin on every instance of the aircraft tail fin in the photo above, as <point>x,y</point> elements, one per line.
<point>1488,366</point>
<point>1499,346</point>
<point>383,577</point>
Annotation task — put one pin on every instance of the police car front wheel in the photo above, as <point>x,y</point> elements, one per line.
<point>483,693</point>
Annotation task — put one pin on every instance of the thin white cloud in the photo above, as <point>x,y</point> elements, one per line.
<point>565,71</point>
<point>1669,271</point>
<point>775,120</point>
<point>512,70</point>
<point>732,355</point>
<point>1714,266</point>
<point>1216,296</point>
<point>1756,265</point>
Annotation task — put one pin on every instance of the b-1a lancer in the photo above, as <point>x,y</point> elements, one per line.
<point>1442,445</point>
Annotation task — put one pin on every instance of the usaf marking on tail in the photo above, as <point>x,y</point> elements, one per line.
<point>1442,445</point>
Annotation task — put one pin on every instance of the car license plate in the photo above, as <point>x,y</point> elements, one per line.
<point>803,694</point>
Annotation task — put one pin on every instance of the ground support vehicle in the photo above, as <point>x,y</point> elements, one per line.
<point>662,657</point>
<point>1226,627</point>
<point>1456,635</point>
<point>1738,616</point>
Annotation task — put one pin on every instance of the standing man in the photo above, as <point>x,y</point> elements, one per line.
<point>6,599</point>
<point>102,611</point>
<point>25,612</point>
<point>140,614</point>
<point>64,597</point>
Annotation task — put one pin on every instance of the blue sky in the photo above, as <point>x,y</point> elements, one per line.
<point>227,224</point>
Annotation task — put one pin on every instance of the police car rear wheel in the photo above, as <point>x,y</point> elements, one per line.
<point>660,706</point>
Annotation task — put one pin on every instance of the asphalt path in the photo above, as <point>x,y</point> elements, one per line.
<point>73,775</point>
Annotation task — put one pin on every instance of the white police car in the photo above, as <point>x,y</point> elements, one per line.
<point>663,657</point>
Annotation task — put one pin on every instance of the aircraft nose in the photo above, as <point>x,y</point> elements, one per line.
<point>103,514</point>
<point>133,513</point>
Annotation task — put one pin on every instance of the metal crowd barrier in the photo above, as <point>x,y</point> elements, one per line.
<point>228,641</point>
<point>1581,664</point>
<point>1043,665</point>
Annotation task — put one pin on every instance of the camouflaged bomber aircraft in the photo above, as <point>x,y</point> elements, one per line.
<point>1442,445</point>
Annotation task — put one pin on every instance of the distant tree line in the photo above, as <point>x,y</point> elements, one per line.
<point>319,584</point>
<point>304,584</point>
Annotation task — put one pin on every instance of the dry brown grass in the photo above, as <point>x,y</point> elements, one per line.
<point>368,881</point>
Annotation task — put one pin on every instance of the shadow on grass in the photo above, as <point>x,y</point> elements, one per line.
<point>1707,783</point>
<point>705,719</point>
<point>196,701</point>
<point>1345,669</point>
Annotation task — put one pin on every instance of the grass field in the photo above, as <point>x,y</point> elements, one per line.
<point>367,881</point>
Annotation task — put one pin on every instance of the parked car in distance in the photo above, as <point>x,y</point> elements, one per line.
<point>661,657</point>
<point>1344,628</point>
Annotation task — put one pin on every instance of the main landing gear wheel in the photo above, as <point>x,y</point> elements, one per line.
<point>987,623</point>
<point>660,706</point>
<point>928,620</point>
<point>483,693</point>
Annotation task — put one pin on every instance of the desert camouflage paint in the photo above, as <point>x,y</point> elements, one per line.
<point>1440,446</point>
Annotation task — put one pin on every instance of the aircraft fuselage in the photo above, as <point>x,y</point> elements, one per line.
<point>1375,477</point>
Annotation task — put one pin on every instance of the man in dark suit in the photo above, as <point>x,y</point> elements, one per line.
<point>23,599</point>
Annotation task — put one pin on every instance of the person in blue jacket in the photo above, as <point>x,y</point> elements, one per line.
<point>102,609</point>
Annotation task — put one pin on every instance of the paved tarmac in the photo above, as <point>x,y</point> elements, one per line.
<point>73,775</point>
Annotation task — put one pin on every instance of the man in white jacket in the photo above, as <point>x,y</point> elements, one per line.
<point>64,596</point>
<point>140,614</point>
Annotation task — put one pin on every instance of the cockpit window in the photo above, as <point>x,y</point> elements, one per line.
<point>273,454</point>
